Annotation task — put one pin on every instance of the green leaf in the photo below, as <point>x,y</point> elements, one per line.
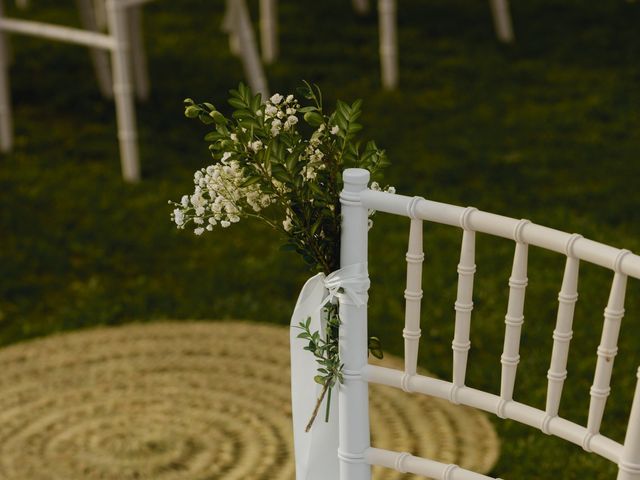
<point>250,181</point>
<point>205,118</point>
<point>213,136</point>
<point>218,117</point>
<point>314,119</point>
<point>192,111</point>
<point>256,101</point>
<point>236,103</point>
<point>319,379</point>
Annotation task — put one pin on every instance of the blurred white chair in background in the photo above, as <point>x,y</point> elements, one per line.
<point>387,18</point>
<point>127,70</point>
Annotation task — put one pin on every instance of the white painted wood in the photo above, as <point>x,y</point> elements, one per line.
<point>607,351</point>
<point>269,30</point>
<point>514,319</point>
<point>523,232</point>
<point>6,123</point>
<point>99,57</point>
<point>241,25</point>
<point>123,91</point>
<point>562,334</point>
<point>502,20</point>
<point>489,402</point>
<point>388,43</point>
<point>353,394</point>
<point>100,13</point>
<point>629,464</point>
<point>464,304</point>
<point>497,225</point>
<point>405,463</point>
<point>229,28</point>
<point>57,32</point>
<point>138,56</point>
<point>413,298</point>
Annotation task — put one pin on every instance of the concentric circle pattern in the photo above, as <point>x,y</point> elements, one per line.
<point>189,401</point>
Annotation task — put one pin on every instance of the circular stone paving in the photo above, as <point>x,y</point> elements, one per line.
<point>191,401</point>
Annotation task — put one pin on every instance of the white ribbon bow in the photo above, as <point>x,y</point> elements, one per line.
<point>349,284</point>
<point>316,451</point>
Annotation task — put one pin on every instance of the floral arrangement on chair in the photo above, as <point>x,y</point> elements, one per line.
<point>281,162</point>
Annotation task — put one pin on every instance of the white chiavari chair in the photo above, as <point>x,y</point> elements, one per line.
<point>355,453</point>
<point>122,39</point>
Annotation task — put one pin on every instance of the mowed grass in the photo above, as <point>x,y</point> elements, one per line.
<point>547,129</point>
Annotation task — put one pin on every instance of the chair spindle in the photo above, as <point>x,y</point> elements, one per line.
<point>463,307</point>
<point>561,338</point>
<point>514,319</point>
<point>607,351</point>
<point>629,464</point>
<point>413,296</point>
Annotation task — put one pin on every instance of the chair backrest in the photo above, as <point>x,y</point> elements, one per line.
<point>355,452</point>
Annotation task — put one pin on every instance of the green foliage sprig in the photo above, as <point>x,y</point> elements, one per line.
<point>281,162</point>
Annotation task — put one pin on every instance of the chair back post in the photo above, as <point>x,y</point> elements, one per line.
<point>354,392</point>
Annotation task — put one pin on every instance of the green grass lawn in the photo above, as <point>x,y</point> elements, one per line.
<point>548,129</point>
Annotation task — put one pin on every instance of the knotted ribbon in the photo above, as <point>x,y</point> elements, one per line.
<point>316,451</point>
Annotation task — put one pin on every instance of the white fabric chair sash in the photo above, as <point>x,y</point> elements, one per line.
<point>316,450</point>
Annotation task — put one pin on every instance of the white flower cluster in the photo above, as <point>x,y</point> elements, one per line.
<point>314,155</point>
<point>280,113</point>
<point>219,197</point>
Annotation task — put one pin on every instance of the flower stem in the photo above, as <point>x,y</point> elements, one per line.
<point>317,407</point>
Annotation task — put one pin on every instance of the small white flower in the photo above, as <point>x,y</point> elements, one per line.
<point>185,201</point>
<point>275,127</point>
<point>375,186</point>
<point>289,99</point>
<point>178,217</point>
<point>287,224</point>
<point>391,189</point>
<point>225,223</point>
<point>234,137</point>
<point>276,98</point>
<point>258,113</point>
<point>270,111</point>
<point>198,231</point>
<point>225,156</point>
<point>209,228</point>
<point>335,130</point>
<point>292,119</point>
<point>255,146</point>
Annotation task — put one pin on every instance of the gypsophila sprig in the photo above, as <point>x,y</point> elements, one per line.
<point>281,162</point>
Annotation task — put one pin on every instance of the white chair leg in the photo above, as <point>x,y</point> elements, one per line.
<point>269,30</point>
<point>228,28</point>
<point>6,124</point>
<point>361,6</point>
<point>123,91</point>
<point>99,57</point>
<point>100,13</point>
<point>388,43</point>
<point>241,25</point>
<point>502,20</point>
<point>138,56</point>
